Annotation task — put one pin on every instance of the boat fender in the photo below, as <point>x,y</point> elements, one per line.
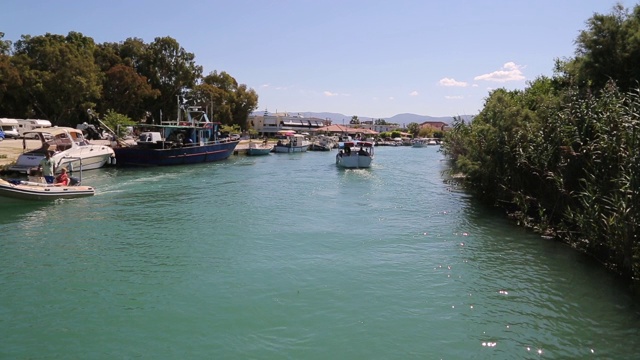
<point>113,160</point>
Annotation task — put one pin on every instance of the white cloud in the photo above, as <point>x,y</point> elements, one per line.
<point>329,93</point>
<point>413,93</point>
<point>265,85</point>
<point>452,82</point>
<point>391,98</point>
<point>454,97</point>
<point>509,72</point>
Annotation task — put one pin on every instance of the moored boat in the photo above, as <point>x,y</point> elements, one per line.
<point>259,148</point>
<point>321,143</point>
<point>355,155</point>
<point>191,139</point>
<point>69,149</point>
<point>419,143</point>
<point>295,143</point>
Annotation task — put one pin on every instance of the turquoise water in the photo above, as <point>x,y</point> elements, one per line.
<point>287,256</point>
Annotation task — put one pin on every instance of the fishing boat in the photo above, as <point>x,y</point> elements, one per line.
<point>190,139</point>
<point>294,143</point>
<point>69,149</point>
<point>357,154</point>
<point>259,148</point>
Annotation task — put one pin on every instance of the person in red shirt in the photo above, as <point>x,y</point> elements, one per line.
<point>63,178</point>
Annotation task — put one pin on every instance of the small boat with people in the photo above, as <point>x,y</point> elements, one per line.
<point>68,148</point>
<point>190,139</point>
<point>36,188</point>
<point>294,143</point>
<point>259,148</point>
<point>355,154</point>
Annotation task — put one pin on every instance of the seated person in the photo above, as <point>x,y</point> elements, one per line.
<point>362,151</point>
<point>62,179</point>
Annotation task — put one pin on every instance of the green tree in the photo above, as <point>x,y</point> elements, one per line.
<point>413,128</point>
<point>172,70</point>
<point>608,49</point>
<point>231,103</point>
<point>117,122</point>
<point>354,120</point>
<point>427,132</point>
<point>11,89</point>
<point>5,45</point>
<point>60,76</point>
<point>126,92</point>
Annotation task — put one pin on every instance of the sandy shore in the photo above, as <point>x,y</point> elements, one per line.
<point>10,149</point>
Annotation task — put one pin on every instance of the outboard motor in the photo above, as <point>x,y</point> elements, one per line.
<point>73,181</point>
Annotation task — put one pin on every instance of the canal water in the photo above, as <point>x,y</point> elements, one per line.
<point>288,257</point>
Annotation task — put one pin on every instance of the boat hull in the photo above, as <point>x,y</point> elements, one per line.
<point>42,192</point>
<point>291,149</point>
<point>89,157</point>
<point>353,161</point>
<point>146,156</point>
<point>259,151</point>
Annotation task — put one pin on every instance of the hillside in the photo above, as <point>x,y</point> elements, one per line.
<point>401,119</point>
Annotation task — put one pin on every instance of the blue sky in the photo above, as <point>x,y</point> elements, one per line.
<point>367,58</point>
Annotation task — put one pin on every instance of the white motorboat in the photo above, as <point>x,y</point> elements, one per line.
<point>355,155</point>
<point>294,143</point>
<point>69,149</point>
<point>259,148</point>
<point>35,190</point>
<point>419,143</point>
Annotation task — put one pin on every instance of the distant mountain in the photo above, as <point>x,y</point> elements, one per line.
<point>400,119</point>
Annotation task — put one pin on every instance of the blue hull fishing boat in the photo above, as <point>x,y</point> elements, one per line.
<point>190,139</point>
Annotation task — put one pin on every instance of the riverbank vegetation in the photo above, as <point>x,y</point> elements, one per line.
<point>563,155</point>
<point>59,77</point>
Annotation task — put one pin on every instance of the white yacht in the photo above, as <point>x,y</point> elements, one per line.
<point>69,149</point>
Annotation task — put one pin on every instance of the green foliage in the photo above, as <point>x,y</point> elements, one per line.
<point>5,45</point>
<point>426,132</point>
<point>117,122</point>
<point>564,161</point>
<point>354,120</point>
<point>413,128</point>
<point>57,77</point>
<point>608,49</point>
<point>60,76</point>
<point>125,91</point>
<point>230,129</point>
<point>230,102</point>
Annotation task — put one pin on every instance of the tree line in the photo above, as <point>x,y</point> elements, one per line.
<point>563,155</point>
<point>58,78</point>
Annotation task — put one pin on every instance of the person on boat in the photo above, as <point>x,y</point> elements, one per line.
<point>362,151</point>
<point>47,166</point>
<point>63,178</point>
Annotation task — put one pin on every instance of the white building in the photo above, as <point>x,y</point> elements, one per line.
<point>269,124</point>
